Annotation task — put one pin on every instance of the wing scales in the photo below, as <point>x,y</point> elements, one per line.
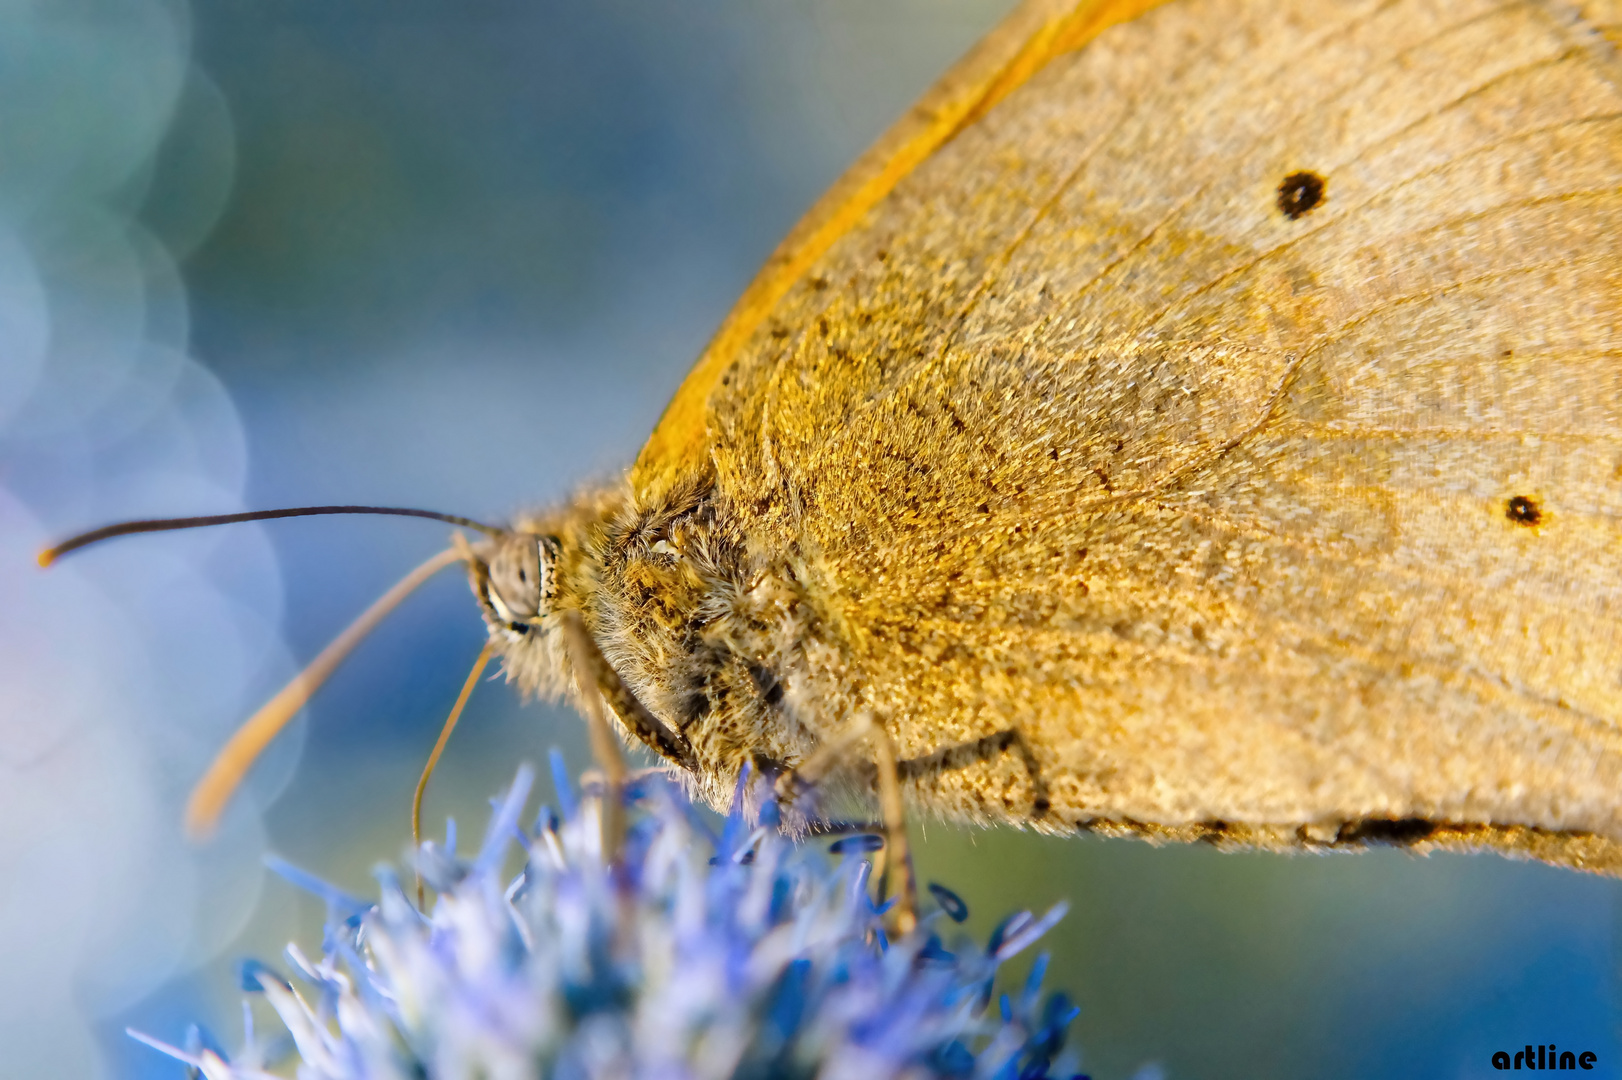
<point>1075,431</point>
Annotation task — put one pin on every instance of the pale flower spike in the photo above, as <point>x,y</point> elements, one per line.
<point>741,956</point>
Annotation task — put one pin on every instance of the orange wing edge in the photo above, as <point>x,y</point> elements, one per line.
<point>1019,47</point>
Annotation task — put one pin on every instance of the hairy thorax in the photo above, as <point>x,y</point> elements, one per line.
<point>719,641</point>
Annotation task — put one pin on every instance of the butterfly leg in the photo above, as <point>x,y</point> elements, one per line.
<point>835,752</point>
<point>604,746</point>
<point>898,859</point>
<point>963,755</point>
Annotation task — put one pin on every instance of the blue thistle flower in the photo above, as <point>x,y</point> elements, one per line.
<point>742,956</point>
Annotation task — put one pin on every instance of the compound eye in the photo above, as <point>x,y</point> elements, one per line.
<point>521,573</point>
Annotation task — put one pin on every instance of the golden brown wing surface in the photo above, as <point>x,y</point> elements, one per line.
<point>1022,44</point>
<point>1233,407</point>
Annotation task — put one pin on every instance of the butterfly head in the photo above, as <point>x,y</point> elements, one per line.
<point>524,578</point>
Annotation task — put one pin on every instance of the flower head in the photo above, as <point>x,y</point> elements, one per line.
<point>692,955</point>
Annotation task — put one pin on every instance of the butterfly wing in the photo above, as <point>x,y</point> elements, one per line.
<point>1233,409</point>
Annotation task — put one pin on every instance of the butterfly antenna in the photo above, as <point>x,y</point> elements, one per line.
<point>439,748</point>
<point>130,528</point>
<point>209,797</point>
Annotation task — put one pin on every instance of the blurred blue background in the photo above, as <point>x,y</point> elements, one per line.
<point>458,255</point>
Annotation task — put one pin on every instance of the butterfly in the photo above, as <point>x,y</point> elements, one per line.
<point>1196,420</point>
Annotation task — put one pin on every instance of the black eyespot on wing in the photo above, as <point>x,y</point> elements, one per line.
<point>1300,192</point>
<point>1400,831</point>
<point>1523,510</point>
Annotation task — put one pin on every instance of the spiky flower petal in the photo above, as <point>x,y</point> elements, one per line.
<point>691,956</point>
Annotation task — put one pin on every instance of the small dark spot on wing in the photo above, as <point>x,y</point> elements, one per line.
<point>1300,192</point>
<point>1523,510</point>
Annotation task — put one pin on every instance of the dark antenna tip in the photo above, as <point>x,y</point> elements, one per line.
<point>130,528</point>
